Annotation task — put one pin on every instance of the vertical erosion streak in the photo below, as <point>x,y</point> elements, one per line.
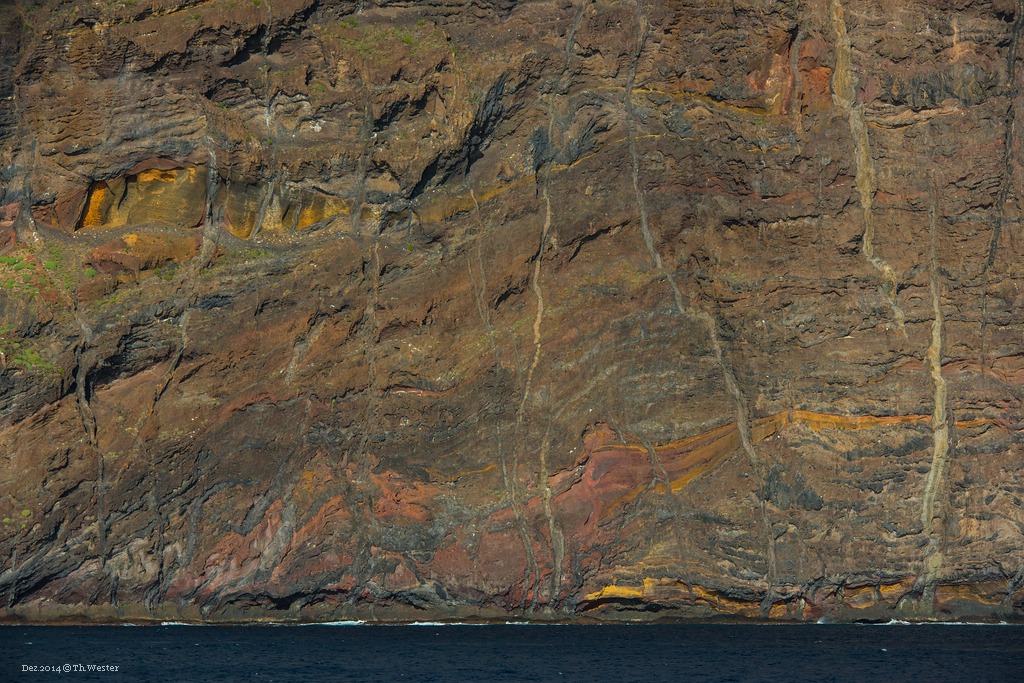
<point>930,518</point>
<point>555,534</point>
<point>359,194</point>
<point>660,478</point>
<point>25,223</point>
<point>359,491</point>
<point>265,204</point>
<point>570,37</point>
<point>538,294</point>
<point>794,69</point>
<point>556,538</point>
<point>314,326</point>
<point>201,260</point>
<point>88,418</point>
<point>686,311</point>
<point>209,245</point>
<point>844,96</point>
<point>1007,174</point>
<point>538,319</point>
<point>480,293</point>
<point>268,112</point>
<point>480,288</point>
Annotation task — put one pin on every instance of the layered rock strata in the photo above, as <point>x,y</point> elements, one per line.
<point>484,309</point>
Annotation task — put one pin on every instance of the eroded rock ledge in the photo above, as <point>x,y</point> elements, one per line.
<point>477,310</point>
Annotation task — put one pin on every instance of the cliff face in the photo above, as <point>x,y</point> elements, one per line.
<point>557,308</point>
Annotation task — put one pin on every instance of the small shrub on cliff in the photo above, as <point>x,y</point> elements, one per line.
<point>21,354</point>
<point>59,266</point>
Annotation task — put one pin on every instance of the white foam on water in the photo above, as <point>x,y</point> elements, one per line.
<point>963,623</point>
<point>901,622</point>
<point>442,623</point>
<point>336,623</point>
<point>477,623</point>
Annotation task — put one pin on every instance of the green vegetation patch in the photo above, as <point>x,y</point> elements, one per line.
<point>20,274</point>
<point>166,273</point>
<point>61,268</point>
<point>368,40</point>
<point>32,269</point>
<point>23,354</point>
<point>237,256</point>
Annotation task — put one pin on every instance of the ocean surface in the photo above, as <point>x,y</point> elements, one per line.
<point>491,653</point>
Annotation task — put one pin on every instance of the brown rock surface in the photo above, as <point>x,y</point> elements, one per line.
<point>546,309</point>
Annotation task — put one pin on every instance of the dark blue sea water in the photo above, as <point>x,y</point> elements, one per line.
<point>705,652</point>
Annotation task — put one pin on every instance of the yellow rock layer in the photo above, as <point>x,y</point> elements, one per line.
<point>173,197</point>
<point>891,592</point>
<point>616,592</point>
<point>945,593</point>
<point>674,590</point>
<point>94,206</point>
<point>857,598</point>
<point>157,175</point>
<point>248,206</point>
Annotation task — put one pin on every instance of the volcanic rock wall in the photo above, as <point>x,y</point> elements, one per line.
<point>321,309</point>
